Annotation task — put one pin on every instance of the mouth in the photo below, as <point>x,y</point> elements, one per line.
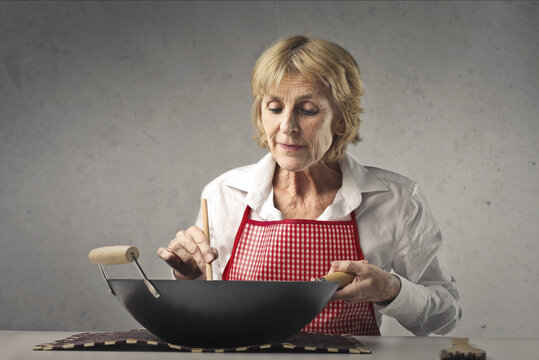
<point>291,147</point>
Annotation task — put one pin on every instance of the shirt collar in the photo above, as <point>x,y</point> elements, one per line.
<point>356,180</point>
<point>257,179</point>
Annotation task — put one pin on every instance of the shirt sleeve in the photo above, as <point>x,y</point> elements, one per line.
<point>428,301</point>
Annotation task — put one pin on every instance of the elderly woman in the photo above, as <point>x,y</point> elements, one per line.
<point>308,207</point>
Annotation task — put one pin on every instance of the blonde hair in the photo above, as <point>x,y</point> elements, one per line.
<point>322,62</point>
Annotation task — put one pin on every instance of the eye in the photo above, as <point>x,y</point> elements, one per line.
<point>309,112</point>
<point>275,110</point>
<point>309,109</point>
<point>275,107</point>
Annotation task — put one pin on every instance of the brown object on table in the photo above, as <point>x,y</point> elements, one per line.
<point>143,340</point>
<point>204,207</point>
<point>461,349</point>
<point>342,277</point>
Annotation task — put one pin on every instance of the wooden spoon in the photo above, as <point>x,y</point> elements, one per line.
<point>204,207</point>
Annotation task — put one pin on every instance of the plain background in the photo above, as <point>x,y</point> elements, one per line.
<point>113,116</point>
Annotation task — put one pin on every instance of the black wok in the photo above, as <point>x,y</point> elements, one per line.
<point>216,314</point>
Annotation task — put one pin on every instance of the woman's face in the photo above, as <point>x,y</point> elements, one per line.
<point>299,122</point>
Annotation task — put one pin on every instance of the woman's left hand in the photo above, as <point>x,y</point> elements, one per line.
<point>371,283</point>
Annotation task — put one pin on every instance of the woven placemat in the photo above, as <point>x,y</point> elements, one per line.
<point>143,340</point>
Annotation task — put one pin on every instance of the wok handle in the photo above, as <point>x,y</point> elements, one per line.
<point>113,255</point>
<point>343,278</point>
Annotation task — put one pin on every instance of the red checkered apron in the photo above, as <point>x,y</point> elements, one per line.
<point>299,250</point>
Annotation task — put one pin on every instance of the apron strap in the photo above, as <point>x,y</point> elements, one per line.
<point>246,214</point>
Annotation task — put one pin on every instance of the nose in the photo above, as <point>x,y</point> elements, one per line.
<point>289,123</point>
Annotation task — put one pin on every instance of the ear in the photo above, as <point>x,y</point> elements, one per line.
<point>338,125</point>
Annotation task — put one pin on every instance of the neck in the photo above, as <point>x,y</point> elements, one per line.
<point>317,179</point>
<point>308,192</point>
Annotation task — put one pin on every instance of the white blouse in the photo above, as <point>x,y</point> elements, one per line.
<point>397,232</point>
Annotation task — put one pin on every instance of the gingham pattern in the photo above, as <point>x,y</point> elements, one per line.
<point>298,250</point>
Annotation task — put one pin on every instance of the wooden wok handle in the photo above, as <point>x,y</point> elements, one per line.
<point>113,255</point>
<point>342,277</point>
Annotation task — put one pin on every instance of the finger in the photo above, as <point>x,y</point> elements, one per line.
<point>194,240</point>
<point>165,254</point>
<point>203,243</point>
<point>185,270</point>
<point>180,260</point>
<point>332,269</point>
<point>355,292</point>
<point>185,241</point>
<point>170,257</point>
<point>186,248</point>
<point>193,261</point>
<point>346,295</point>
<point>175,243</point>
<point>353,267</point>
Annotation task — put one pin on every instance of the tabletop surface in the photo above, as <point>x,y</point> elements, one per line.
<point>17,345</point>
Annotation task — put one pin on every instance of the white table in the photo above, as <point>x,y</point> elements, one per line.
<point>17,345</point>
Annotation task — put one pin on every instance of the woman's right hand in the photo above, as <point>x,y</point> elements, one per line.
<point>188,253</point>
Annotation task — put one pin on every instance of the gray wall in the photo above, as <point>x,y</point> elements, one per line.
<point>114,115</point>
